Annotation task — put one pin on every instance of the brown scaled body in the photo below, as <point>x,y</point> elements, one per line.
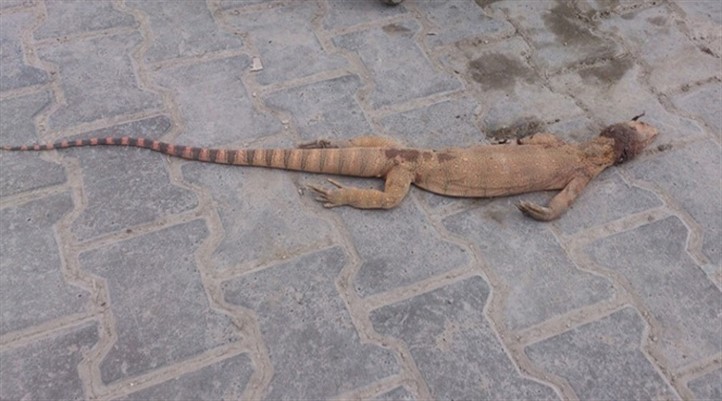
<point>536,163</point>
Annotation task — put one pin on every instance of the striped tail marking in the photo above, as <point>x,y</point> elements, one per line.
<point>329,161</point>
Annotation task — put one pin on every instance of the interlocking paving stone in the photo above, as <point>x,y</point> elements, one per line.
<point>134,181</point>
<point>324,110</point>
<point>260,213</point>
<point>312,343</point>
<point>183,29</point>
<point>542,281</point>
<point>703,102</point>
<point>157,300</point>
<point>287,44</point>
<point>347,13</point>
<point>676,60</point>
<point>449,123</point>
<point>217,108</point>
<point>24,171</point>
<point>224,380</point>
<point>707,387</point>
<point>677,293</point>
<point>32,287</point>
<point>16,73</point>
<point>68,17</point>
<point>47,368</point>
<point>382,241</point>
<point>559,37</point>
<point>691,175</point>
<point>457,20</point>
<point>603,360</point>
<point>454,347</point>
<point>398,67</point>
<point>98,79</point>
<point>511,86</point>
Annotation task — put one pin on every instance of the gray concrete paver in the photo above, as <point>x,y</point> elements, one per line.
<point>396,63</point>
<point>129,275</point>
<point>698,197</point>
<point>46,369</point>
<point>32,288</point>
<point>65,18</point>
<point>16,72</point>
<point>224,380</point>
<point>675,291</point>
<point>603,360</point>
<point>289,50</point>
<point>213,100</point>
<point>536,288</point>
<point>326,109</point>
<point>708,387</point>
<point>454,346</point>
<point>183,29</point>
<point>314,347</point>
<point>153,284</point>
<point>97,78</point>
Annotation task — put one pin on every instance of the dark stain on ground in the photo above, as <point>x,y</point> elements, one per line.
<point>608,5</point>
<point>521,128</point>
<point>497,71</point>
<point>395,28</point>
<point>609,72</point>
<point>484,3</point>
<point>658,20</point>
<point>560,20</point>
<point>664,147</point>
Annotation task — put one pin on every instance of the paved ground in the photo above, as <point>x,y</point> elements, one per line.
<point>127,275</point>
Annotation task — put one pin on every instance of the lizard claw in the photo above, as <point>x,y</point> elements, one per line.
<point>317,144</point>
<point>328,197</point>
<point>535,211</point>
<point>336,183</point>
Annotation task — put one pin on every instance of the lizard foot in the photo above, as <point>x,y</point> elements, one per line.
<point>317,144</point>
<point>329,197</point>
<point>535,211</point>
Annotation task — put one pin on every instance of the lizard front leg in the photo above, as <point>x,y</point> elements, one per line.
<point>559,203</point>
<point>398,181</point>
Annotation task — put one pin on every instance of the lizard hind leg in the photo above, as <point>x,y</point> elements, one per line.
<point>364,141</point>
<point>398,182</point>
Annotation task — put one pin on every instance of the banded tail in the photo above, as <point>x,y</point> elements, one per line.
<point>360,162</point>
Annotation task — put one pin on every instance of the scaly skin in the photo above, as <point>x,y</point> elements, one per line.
<point>536,163</point>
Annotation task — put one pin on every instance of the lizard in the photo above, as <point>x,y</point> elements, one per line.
<point>538,162</point>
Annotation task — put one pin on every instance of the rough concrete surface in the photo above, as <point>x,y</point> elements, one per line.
<point>128,275</point>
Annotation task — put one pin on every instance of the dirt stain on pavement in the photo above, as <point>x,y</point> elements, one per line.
<point>498,71</point>
<point>609,72</point>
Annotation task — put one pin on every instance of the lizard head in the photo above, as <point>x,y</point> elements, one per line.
<point>630,138</point>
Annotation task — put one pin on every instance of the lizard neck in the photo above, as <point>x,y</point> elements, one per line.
<point>599,152</point>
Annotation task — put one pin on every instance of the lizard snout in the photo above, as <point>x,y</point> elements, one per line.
<point>645,132</point>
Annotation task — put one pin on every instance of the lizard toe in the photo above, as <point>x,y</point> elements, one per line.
<point>336,183</point>
<point>534,211</point>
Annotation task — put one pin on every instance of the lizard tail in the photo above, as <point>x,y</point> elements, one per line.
<point>358,162</point>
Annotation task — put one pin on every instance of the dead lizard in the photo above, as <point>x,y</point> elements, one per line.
<point>534,163</point>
